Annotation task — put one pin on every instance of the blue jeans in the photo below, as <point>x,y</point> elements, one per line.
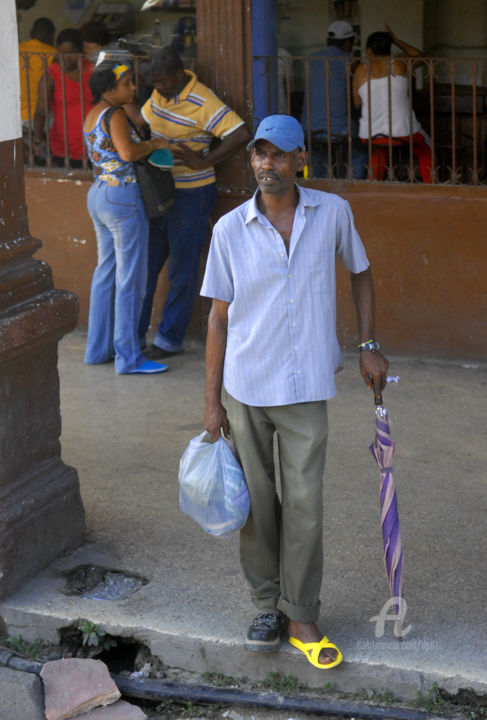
<point>180,235</point>
<point>118,284</point>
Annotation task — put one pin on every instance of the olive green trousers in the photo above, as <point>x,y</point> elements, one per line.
<point>281,547</point>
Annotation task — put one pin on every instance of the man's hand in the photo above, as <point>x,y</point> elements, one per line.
<point>216,341</point>
<point>373,368</point>
<point>215,420</point>
<point>185,156</point>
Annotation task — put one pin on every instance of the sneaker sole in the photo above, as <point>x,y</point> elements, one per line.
<point>156,353</point>
<point>146,372</point>
<point>262,645</point>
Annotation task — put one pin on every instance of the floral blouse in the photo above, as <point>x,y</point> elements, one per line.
<point>108,166</point>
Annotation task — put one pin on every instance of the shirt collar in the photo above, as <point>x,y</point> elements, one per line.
<point>161,101</point>
<point>187,88</point>
<point>306,199</point>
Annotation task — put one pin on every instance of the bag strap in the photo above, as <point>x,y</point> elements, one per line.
<point>108,116</point>
<point>134,128</point>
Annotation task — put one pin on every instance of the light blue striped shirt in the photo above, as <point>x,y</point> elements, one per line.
<point>281,344</point>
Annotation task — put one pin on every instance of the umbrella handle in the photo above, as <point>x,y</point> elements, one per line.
<point>377,395</point>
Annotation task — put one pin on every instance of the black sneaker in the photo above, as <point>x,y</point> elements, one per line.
<point>264,633</point>
<point>157,353</point>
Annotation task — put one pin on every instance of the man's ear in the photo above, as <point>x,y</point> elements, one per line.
<point>301,159</point>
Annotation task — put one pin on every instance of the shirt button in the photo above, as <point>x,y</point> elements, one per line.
<point>295,347</point>
<point>291,301</point>
<point>282,254</point>
<point>293,324</point>
<point>289,276</point>
<point>297,372</point>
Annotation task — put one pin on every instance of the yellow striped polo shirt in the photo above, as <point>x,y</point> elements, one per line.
<point>193,117</point>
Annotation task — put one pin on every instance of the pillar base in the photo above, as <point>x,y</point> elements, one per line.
<point>41,518</point>
<point>41,513</point>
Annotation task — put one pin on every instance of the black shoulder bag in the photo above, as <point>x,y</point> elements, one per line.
<point>156,186</point>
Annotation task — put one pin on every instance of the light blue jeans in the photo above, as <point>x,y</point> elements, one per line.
<point>119,280</point>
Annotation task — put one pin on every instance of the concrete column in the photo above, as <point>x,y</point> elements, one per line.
<point>41,513</point>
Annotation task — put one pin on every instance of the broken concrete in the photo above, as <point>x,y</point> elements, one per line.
<point>21,696</point>
<point>73,686</point>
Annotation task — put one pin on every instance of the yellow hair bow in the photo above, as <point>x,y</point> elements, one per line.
<point>119,70</point>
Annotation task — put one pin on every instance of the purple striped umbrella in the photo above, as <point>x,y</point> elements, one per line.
<point>383,449</point>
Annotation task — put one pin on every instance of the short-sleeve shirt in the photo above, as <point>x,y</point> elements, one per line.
<point>193,117</point>
<point>318,97</point>
<point>32,67</point>
<point>282,346</point>
<point>77,100</point>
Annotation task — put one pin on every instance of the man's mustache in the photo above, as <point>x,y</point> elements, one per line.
<point>267,173</point>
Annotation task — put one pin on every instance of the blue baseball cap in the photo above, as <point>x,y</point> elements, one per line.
<point>283,131</point>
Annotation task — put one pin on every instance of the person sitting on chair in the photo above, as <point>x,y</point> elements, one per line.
<point>328,78</point>
<point>376,74</point>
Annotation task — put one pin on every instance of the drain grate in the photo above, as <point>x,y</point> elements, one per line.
<point>98,583</point>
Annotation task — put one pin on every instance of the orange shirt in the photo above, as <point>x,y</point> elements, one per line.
<point>32,67</point>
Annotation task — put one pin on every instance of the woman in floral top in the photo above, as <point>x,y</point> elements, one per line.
<point>121,225</point>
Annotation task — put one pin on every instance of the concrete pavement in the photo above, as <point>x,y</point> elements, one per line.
<point>125,435</point>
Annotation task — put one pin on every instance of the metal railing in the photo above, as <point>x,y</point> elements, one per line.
<point>452,116</point>
<point>452,113</point>
<point>35,156</point>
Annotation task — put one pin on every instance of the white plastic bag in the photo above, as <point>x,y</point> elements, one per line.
<point>212,487</point>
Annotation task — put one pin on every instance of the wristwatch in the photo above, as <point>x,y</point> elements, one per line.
<point>371,345</point>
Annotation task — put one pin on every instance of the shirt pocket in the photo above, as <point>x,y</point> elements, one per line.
<point>319,273</point>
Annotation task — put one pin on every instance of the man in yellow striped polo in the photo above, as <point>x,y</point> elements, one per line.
<point>190,116</point>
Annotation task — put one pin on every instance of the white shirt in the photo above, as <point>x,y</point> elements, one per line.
<point>281,343</point>
<point>401,124</point>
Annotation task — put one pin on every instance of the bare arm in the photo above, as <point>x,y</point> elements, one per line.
<point>373,366</point>
<point>133,112</point>
<point>408,50</point>
<point>229,145</point>
<point>45,88</point>
<point>124,145</point>
<point>216,343</point>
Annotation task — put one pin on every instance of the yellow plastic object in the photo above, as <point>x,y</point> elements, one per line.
<point>312,651</point>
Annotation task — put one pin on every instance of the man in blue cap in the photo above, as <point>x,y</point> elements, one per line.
<point>328,102</point>
<point>272,344</point>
